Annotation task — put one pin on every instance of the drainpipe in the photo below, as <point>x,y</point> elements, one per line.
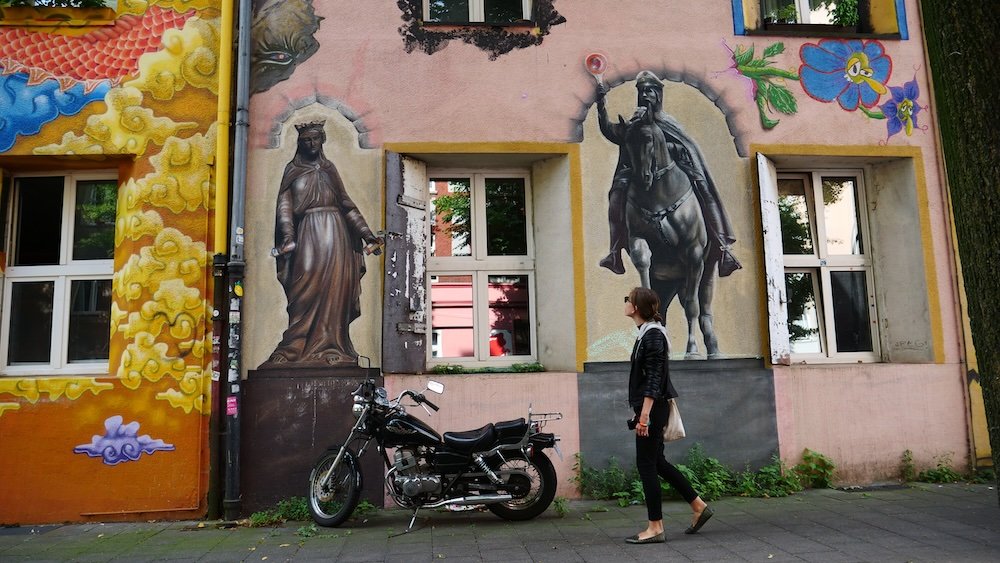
<point>220,242</point>
<point>235,268</point>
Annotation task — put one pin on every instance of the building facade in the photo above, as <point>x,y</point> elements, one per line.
<point>108,151</point>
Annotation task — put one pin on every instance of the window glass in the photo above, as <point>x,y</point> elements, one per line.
<point>506,221</point>
<point>452,314</point>
<point>448,11</point>
<point>31,322</point>
<point>793,208</point>
<point>850,311</point>
<point>89,320</point>
<point>843,229</point>
<point>803,316</point>
<point>823,12</point>
<point>38,233</point>
<point>451,231</point>
<point>510,326</point>
<point>94,225</point>
<point>503,11</point>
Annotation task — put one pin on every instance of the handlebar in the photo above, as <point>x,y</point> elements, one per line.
<point>422,399</point>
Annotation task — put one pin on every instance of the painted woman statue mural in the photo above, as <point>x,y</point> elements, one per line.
<point>318,234</point>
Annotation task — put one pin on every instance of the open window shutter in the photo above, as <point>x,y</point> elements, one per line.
<point>774,267</point>
<point>404,317</point>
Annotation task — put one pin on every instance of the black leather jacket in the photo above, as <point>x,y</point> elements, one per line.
<point>649,375</point>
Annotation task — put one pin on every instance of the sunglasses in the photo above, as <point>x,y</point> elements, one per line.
<point>626,298</point>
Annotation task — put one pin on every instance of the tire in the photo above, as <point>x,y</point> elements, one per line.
<point>542,487</point>
<point>332,504</point>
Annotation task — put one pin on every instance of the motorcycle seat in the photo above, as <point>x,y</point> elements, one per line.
<point>511,431</point>
<point>471,440</point>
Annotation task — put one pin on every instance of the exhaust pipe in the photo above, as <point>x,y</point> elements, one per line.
<point>471,500</point>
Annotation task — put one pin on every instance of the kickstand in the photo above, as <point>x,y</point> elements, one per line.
<point>412,520</point>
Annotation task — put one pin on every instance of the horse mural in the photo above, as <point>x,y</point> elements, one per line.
<point>664,210</point>
<point>667,237</point>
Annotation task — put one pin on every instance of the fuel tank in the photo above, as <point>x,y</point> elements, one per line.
<point>404,429</point>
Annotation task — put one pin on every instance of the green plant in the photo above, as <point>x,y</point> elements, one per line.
<point>602,484</point>
<point>364,508</point>
<point>984,475</point>
<point>906,468</point>
<point>708,476</point>
<point>307,531</point>
<point>559,504</point>
<point>514,368</point>
<point>294,508</point>
<point>633,495</point>
<point>771,480</point>
<point>816,470</point>
<point>941,473</point>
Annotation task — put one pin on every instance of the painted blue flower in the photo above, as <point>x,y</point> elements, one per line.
<point>901,111</point>
<point>849,71</point>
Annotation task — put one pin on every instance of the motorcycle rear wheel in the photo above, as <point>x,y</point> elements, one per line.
<point>539,478</point>
<point>331,504</point>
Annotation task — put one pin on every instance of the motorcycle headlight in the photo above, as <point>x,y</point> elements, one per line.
<point>357,410</point>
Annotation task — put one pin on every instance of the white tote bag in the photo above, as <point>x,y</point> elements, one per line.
<point>674,430</point>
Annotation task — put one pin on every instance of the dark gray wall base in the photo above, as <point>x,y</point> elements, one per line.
<point>727,406</point>
<point>290,417</point>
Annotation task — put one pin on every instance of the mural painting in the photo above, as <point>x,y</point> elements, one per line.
<point>664,210</point>
<point>120,443</point>
<point>853,73</point>
<point>283,37</point>
<point>319,255</point>
<point>137,100</point>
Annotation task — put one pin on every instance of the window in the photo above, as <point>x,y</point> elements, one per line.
<point>486,11</point>
<point>57,285</point>
<point>827,266</point>
<point>823,12</point>
<point>481,267</point>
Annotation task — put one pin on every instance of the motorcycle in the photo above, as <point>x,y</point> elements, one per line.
<point>501,465</point>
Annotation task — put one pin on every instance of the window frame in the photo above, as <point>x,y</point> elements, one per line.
<point>477,14</point>
<point>480,267</point>
<point>822,264</point>
<point>62,274</point>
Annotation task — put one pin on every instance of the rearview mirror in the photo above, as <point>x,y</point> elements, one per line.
<point>435,387</point>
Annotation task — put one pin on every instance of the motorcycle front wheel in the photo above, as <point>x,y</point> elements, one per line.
<point>333,499</point>
<point>532,481</point>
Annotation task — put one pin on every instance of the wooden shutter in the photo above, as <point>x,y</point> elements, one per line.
<point>405,311</point>
<point>774,265</point>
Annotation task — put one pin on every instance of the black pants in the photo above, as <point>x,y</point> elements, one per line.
<point>650,462</point>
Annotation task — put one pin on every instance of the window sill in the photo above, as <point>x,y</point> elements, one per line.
<point>811,30</point>
<point>526,24</point>
<point>28,16</point>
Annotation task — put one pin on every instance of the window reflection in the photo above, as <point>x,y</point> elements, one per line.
<point>510,323</point>
<point>503,11</point>
<point>506,221</point>
<point>803,316</point>
<point>94,227</point>
<point>448,11</point>
<point>850,311</point>
<point>451,207</point>
<point>793,209</point>
<point>843,228</point>
<point>31,322</point>
<point>89,320</point>
<point>452,316</point>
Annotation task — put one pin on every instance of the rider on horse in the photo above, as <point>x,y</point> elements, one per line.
<point>685,152</point>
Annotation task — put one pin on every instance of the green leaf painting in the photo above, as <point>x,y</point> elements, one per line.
<point>767,80</point>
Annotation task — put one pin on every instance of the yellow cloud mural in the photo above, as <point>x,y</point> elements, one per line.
<point>188,57</point>
<point>173,255</point>
<point>125,128</point>
<point>33,389</point>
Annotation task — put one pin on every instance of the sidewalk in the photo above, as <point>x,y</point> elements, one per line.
<point>923,522</point>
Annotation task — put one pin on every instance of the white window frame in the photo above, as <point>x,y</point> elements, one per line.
<point>477,11</point>
<point>480,266</point>
<point>820,263</point>
<point>63,274</point>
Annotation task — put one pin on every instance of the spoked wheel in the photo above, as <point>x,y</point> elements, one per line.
<point>532,483</point>
<point>332,499</point>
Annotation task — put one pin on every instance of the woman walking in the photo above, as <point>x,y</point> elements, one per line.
<point>649,392</point>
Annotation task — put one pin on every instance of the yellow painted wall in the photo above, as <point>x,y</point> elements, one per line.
<point>158,120</point>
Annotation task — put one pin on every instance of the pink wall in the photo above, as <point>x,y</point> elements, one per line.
<point>471,401</point>
<point>864,417</point>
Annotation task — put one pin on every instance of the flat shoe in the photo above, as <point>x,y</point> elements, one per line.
<point>702,518</point>
<point>658,538</point>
